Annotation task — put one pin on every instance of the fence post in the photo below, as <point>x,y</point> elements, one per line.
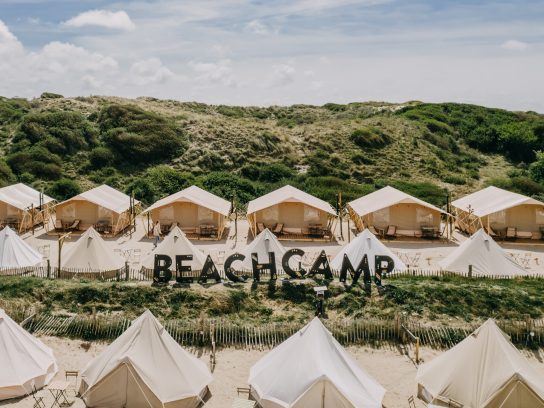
<point>48,269</point>
<point>470,271</point>
<point>127,271</point>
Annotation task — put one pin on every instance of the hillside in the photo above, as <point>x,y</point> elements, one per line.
<point>156,147</point>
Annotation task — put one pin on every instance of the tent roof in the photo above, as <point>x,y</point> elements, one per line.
<point>176,243</point>
<point>476,369</point>
<point>91,253</point>
<point>288,194</point>
<point>22,357</point>
<point>16,253</point>
<point>107,197</point>
<point>386,197</point>
<point>169,371</point>
<point>292,369</point>
<point>197,196</point>
<point>22,196</point>
<point>365,244</point>
<point>491,200</point>
<point>263,243</point>
<point>485,256</point>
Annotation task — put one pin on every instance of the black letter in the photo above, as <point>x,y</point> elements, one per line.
<point>321,266</point>
<point>348,267</point>
<point>209,271</point>
<point>257,267</point>
<point>231,272</point>
<point>299,274</point>
<point>161,269</point>
<point>180,268</point>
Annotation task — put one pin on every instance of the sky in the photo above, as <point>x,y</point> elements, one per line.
<point>277,52</point>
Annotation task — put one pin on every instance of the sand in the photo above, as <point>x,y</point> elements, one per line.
<point>392,366</point>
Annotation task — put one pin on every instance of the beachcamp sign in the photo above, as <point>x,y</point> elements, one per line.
<point>164,265</point>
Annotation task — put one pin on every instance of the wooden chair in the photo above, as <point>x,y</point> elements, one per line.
<point>511,233</point>
<point>391,231</point>
<point>411,402</point>
<point>72,374</point>
<point>278,228</point>
<point>373,230</point>
<point>74,226</point>
<point>38,399</point>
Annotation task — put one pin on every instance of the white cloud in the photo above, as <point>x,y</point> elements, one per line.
<point>257,27</point>
<point>514,45</point>
<point>149,71</point>
<point>118,20</point>
<point>219,72</point>
<point>282,74</point>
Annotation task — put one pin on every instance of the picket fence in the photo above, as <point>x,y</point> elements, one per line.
<point>146,275</point>
<point>206,332</point>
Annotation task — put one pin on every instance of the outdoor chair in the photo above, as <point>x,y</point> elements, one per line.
<point>75,375</point>
<point>38,399</point>
<point>278,229</point>
<point>411,402</point>
<point>373,230</point>
<point>74,226</point>
<point>243,390</point>
<point>511,233</point>
<point>58,226</point>
<point>260,227</point>
<point>391,231</point>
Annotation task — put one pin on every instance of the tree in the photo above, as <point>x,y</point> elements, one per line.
<point>63,189</point>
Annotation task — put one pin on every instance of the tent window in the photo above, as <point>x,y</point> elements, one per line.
<point>167,213</point>
<point>271,214</point>
<point>540,217</point>
<point>381,217</point>
<point>498,218</point>
<point>424,216</point>
<point>311,214</point>
<point>205,214</point>
<point>104,213</point>
<point>69,211</point>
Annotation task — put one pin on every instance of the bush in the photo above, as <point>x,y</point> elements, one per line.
<point>140,137</point>
<point>370,137</point>
<point>425,191</point>
<point>168,181</point>
<point>38,161</point>
<point>536,169</point>
<point>63,189</point>
<point>101,157</point>
<point>6,175</point>
<point>228,185</point>
<point>268,173</point>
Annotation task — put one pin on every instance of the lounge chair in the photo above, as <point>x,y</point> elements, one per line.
<point>278,228</point>
<point>373,230</point>
<point>491,232</point>
<point>74,226</point>
<point>511,233</point>
<point>260,227</point>
<point>391,231</point>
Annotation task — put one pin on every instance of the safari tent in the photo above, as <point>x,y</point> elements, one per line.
<point>391,213</point>
<point>22,207</point>
<point>16,253</point>
<point>91,255</point>
<point>311,369</point>
<point>292,214</point>
<point>106,209</point>
<point>483,256</point>
<point>365,244</point>
<point>25,362</point>
<point>484,370</point>
<point>176,243</point>
<point>503,214</point>
<point>145,367</point>
<point>199,213</point>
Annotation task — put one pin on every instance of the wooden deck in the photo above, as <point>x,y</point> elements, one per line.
<point>305,237</point>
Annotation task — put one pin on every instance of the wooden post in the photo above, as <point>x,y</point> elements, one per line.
<point>61,243</point>
<point>417,350</point>
<point>48,268</point>
<point>470,271</point>
<point>32,217</point>
<point>147,233</point>
<point>349,232</point>
<point>127,271</point>
<point>340,215</point>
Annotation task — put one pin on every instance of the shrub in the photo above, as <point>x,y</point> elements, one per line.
<point>101,157</point>
<point>38,161</point>
<point>370,137</point>
<point>536,169</point>
<point>6,175</point>
<point>228,185</point>
<point>140,137</point>
<point>63,189</point>
<point>268,173</point>
<point>425,191</point>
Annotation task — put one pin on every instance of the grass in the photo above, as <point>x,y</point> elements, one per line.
<point>430,299</point>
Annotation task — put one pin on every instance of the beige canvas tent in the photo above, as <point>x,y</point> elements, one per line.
<point>485,370</point>
<point>25,362</point>
<point>197,212</point>
<point>90,254</point>
<point>311,369</point>
<point>502,213</point>
<point>292,214</point>
<point>22,207</point>
<point>106,209</point>
<point>392,213</point>
<point>176,243</point>
<point>145,367</point>
<point>16,253</point>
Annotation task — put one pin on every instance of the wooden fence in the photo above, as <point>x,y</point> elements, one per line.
<point>225,333</point>
<point>146,275</point>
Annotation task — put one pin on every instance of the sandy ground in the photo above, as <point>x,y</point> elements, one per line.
<point>422,254</point>
<point>393,367</point>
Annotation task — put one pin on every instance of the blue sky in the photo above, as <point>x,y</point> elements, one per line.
<point>277,51</point>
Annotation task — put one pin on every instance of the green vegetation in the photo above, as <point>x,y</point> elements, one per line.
<point>153,148</point>
<point>428,299</point>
